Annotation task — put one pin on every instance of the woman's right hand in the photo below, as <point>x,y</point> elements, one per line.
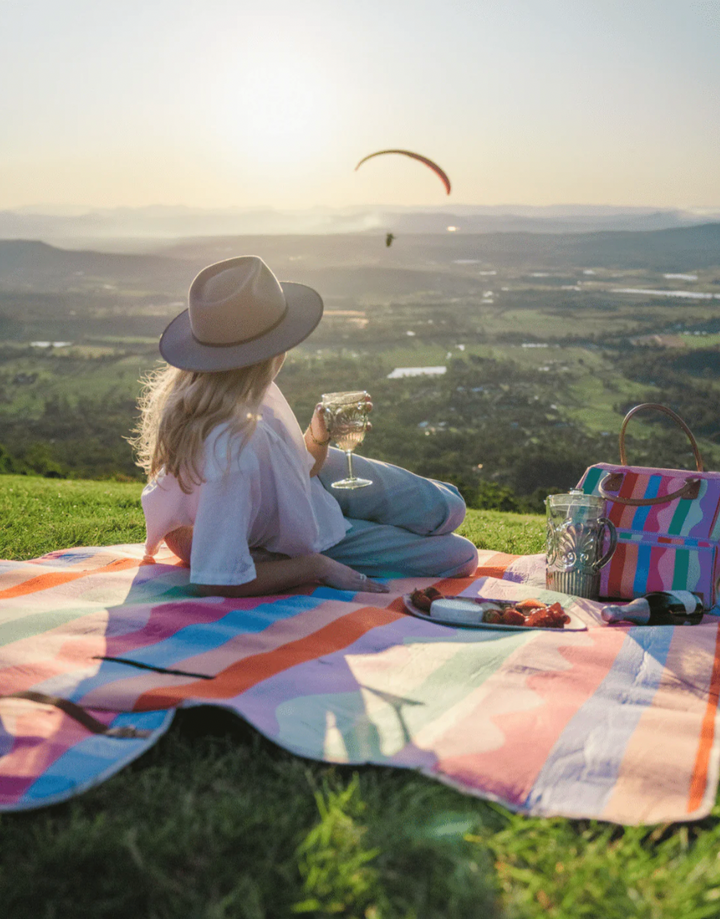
<point>342,577</point>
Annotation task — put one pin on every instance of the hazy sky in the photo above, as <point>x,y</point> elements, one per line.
<point>232,103</point>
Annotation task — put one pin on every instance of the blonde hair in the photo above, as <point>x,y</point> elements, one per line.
<point>179,408</point>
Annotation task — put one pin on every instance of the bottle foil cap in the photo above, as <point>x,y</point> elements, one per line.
<point>637,611</point>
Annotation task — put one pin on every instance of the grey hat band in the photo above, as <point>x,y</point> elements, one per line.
<point>242,341</point>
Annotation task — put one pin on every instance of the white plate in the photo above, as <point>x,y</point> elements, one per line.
<point>575,624</point>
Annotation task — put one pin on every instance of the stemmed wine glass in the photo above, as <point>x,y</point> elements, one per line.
<point>346,419</point>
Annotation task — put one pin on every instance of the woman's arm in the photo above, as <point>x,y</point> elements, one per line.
<point>276,576</point>
<point>317,438</point>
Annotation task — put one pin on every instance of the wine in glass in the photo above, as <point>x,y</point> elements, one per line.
<point>346,418</point>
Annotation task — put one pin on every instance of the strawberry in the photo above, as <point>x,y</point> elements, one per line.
<point>513,616</point>
<point>423,598</point>
<point>418,598</point>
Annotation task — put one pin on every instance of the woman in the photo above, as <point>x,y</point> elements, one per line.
<point>235,488</point>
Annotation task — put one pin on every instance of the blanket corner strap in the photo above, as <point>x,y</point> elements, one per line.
<point>79,714</point>
<point>656,406</point>
<point>690,490</point>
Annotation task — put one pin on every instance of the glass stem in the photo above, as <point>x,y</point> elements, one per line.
<point>351,474</point>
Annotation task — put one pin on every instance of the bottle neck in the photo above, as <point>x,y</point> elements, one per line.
<point>637,611</point>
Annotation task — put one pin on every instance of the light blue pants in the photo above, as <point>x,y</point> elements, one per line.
<point>402,524</point>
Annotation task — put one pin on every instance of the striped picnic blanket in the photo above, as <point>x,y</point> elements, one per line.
<point>615,723</point>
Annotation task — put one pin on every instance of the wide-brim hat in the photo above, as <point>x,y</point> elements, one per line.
<point>239,314</point>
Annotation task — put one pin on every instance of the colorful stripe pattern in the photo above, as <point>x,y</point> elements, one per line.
<point>661,546</point>
<point>548,723</point>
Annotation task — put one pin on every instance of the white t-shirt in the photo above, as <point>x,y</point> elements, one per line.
<point>262,496</point>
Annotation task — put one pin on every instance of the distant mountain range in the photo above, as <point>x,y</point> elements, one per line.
<point>31,264</point>
<point>82,227</point>
<point>355,264</point>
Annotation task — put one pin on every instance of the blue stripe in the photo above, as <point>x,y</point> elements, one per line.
<point>583,767</point>
<point>683,542</point>
<point>651,491</point>
<point>93,760</point>
<point>200,638</point>
<point>195,639</point>
<point>642,568</point>
<point>70,556</point>
<point>348,596</point>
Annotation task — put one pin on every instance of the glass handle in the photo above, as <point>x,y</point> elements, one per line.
<point>610,526</point>
<point>550,544</point>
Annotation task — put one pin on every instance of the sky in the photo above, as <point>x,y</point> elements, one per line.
<point>227,103</point>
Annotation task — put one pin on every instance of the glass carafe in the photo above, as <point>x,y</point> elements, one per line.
<point>577,533</point>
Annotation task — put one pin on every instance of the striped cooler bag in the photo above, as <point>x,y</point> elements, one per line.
<point>667,523</point>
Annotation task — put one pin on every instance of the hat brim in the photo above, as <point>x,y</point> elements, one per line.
<point>180,348</point>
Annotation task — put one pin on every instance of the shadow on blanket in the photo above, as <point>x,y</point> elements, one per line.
<point>554,723</point>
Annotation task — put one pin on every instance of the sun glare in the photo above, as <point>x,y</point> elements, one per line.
<point>277,114</point>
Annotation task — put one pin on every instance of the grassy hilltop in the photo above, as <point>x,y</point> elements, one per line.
<point>217,822</point>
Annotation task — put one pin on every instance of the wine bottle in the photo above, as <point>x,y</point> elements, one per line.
<point>660,607</point>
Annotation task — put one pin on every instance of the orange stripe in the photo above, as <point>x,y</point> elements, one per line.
<point>56,578</point>
<point>495,566</point>
<point>397,606</point>
<point>451,587</point>
<point>246,673</point>
<point>707,735</point>
<point>621,514</point>
<point>617,565</point>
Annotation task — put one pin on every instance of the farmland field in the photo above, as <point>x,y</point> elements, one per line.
<point>546,340</point>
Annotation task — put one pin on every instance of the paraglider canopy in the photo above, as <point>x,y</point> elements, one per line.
<point>416,156</point>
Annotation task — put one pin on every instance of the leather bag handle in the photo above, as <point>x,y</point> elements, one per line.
<point>690,490</point>
<point>671,414</point>
<point>613,481</point>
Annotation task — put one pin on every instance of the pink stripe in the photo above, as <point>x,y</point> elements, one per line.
<point>664,565</point>
<point>168,618</point>
<point>615,510</point>
<point>639,485</point>
<point>67,648</point>
<point>651,521</point>
<point>122,695</point>
<point>653,785</point>
<point>43,736</point>
<point>514,729</point>
<point>664,516</point>
<point>627,579</point>
<point>75,645</point>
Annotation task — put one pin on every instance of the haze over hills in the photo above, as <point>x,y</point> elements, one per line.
<point>31,264</point>
<point>346,263</point>
<point>79,227</point>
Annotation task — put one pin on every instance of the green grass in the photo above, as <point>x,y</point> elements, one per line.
<point>39,515</point>
<point>83,374</point>
<point>700,341</point>
<point>215,821</point>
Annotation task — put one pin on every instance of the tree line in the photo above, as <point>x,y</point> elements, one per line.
<point>492,427</point>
